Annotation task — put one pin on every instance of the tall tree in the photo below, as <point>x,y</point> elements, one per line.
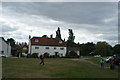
<point>71,35</point>
<point>103,48</point>
<point>58,34</point>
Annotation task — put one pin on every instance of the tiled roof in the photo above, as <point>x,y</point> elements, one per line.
<point>21,47</point>
<point>45,41</point>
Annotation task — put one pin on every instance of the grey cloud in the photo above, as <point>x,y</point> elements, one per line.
<point>72,13</point>
<point>109,37</point>
<point>89,13</point>
<point>7,28</point>
<point>77,12</point>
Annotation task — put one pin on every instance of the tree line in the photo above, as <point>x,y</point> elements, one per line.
<point>89,49</point>
<point>86,49</point>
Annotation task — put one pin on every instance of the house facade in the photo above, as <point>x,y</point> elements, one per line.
<point>5,48</point>
<point>52,46</point>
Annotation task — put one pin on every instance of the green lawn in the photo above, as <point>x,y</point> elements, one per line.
<point>53,68</point>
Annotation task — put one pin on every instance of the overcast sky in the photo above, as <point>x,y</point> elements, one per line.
<point>90,21</point>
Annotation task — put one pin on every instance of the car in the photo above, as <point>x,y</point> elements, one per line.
<point>107,59</point>
<point>117,59</point>
<point>97,55</point>
<point>2,55</point>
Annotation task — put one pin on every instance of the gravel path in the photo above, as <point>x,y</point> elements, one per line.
<point>86,60</point>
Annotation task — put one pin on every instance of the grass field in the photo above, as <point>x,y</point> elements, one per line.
<point>54,68</point>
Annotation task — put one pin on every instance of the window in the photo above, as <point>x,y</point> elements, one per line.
<point>47,47</point>
<point>61,48</point>
<point>36,40</point>
<point>60,41</point>
<point>36,47</point>
<point>54,47</point>
<point>61,54</point>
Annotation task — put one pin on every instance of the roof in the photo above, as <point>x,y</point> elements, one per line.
<point>21,47</point>
<point>45,41</point>
<point>73,48</point>
<point>3,40</point>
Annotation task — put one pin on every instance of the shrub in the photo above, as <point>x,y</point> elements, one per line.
<point>34,55</point>
<point>46,55</point>
<point>28,55</point>
<point>53,56</point>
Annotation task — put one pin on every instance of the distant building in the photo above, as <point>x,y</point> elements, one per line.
<point>5,48</point>
<point>75,49</point>
<point>52,46</point>
<point>22,50</point>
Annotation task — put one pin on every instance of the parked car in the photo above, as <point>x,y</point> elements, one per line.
<point>2,55</point>
<point>107,59</point>
<point>117,59</point>
<point>97,55</point>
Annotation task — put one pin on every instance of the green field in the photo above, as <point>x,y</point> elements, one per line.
<point>55,68</point>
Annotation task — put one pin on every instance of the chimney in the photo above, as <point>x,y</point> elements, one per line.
<point>64,39</point>
<point>51,36</point>
<point>29,37</point>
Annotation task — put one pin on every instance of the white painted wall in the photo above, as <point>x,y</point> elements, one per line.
<point>5,47</point>
<point>29,47</point>
<point>51,50</point>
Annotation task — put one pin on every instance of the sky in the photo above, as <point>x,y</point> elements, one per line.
<point>90,21</point>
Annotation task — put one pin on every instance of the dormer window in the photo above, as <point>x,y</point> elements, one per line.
<point>61,48</point>
<point>60,41</point>
<point>36,40</point>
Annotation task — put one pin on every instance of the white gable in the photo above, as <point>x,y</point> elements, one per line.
<point>4,47</point>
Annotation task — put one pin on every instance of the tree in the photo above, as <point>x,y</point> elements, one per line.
<point>58,34</point>
<point>25,43</point>
<point>116,49</point>
<point>45,36</point>
<point>46,55</point>
<point>71,35</point>
<point>11,41</point>
<point>70,41</point>
<point>87,48</point>
<point>103,49</point>
<point>17,43</point>
<point>72,44</point>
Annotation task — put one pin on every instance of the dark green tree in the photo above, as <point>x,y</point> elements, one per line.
<point>70,41</point>
<point>45,36</point>
<point>103,49</point>
<point>58,34</point>
<point>71,36</point>
<point>116,49</point>
<point>11,41</point>
<point>87,48</point>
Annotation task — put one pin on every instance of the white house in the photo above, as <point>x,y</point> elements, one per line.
<point>5,48</point>
<point>42,45</point>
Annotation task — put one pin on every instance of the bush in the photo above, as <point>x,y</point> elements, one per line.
<point>28,55</point>
<point>53,56</point>
<point>34,55</point>
<point>72,54</point>
<point>46,55</point>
